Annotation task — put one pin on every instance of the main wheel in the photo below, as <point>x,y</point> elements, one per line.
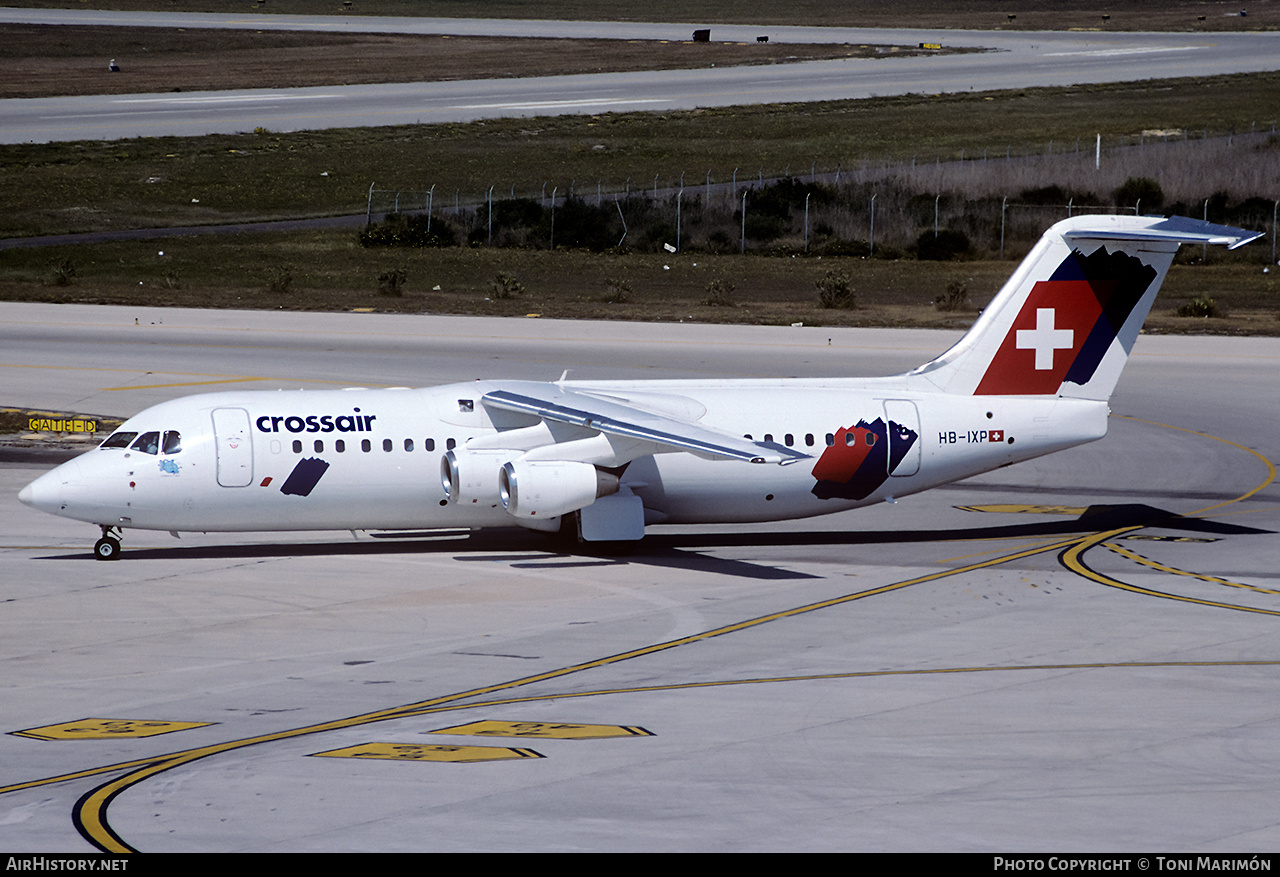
<point>107,548</point>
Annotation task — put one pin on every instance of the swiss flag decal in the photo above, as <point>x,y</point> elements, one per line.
<point>1043,341</point>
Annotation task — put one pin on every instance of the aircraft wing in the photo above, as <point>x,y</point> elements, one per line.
<point>555,403</point>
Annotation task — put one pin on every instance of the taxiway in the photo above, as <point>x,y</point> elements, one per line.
<point>1073,653</point>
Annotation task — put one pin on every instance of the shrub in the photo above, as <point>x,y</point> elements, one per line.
<point>618,291</point>
<point>1053,196</point>
<point>955,298</point>
<point>835,290</point>
<point>1200,306</point>
<point>719,293</point>
<point>504,286</point>
<point>400,230</point>
<point>391,282</point>
<point>280,282</point>
<point>1141,192</point>
<point>948,244</point>
<point>62,273</point>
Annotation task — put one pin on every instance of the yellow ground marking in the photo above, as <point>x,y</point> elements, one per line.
<point>1054,540</point>
<point>229,379</point>
<point>557,730</point>
<point>1148,562</point>
<point>425,752</point>
<point>1151,537</point>
<point>106,729</point>
<point>685,686</point>
<point>1072,560</point>
<point>1009,508</point>
<point>180,384</point>
<point>1271,469</point>
<point>90,812</point>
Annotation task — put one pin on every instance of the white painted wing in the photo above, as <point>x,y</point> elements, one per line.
<point>555,403</point>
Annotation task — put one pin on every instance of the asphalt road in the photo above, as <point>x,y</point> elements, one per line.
<point>1089,663</point>
<point>1018,60</point>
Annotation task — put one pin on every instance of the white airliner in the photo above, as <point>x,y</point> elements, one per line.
<point>608,458</point>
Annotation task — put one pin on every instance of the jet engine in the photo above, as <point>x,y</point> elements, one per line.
<point>545,488</point>
<point>472,476</point>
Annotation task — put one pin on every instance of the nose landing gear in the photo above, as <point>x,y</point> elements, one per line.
<point>108,547</point>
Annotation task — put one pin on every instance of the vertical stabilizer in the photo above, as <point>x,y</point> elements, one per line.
<point>1067,319</point>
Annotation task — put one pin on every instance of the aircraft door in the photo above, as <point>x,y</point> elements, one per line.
<point>904,436</point>
<point>234,443</point>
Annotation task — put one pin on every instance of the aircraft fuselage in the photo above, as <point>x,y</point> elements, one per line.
<point>370,459</point>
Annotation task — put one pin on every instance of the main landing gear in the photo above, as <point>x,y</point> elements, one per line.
<point>108,547</point>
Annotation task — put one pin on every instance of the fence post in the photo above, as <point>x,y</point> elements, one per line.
<point>744,221</point>
<point>623,218</point>
<point>368,214</point>
<point>1004,202</point>
<point>1204,257</point>
<point>679,197</point>
<point>1275,205</point>
<point>806,224</point>
<point>871,249</point>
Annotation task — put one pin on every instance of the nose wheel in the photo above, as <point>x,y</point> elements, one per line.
<point>108,547</point>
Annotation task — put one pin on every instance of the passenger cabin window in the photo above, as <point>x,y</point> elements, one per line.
<point>387,445</point>
<point>450,444</point>
<point>172,441</point>
<point>297,446</point>
<point>429,444</point>
<point>147,443</point>
<point>339,445</point>
<point>319,446</point>
<point>408,444</point>
<point>365,446</point>
<point>119,440</point>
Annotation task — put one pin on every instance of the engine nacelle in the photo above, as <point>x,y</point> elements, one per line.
<point>472,476</point>
<point>546,488</point>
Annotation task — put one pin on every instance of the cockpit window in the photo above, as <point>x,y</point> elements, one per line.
<point>148,443</point>
<point>172,441</point>
<point>118,440</point>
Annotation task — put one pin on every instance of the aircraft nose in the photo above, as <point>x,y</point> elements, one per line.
<point>46,492</point>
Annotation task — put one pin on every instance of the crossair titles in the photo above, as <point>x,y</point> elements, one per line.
<point>355,422</point>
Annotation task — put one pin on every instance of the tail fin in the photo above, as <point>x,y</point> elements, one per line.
<point>1065,322</point>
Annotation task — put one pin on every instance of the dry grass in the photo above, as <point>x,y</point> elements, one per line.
<point>330,272</point>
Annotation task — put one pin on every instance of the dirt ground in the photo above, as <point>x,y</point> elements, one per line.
<point>48,60</point>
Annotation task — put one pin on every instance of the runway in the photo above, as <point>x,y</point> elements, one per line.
<point>1075,653</point>
<point>1017,60</point>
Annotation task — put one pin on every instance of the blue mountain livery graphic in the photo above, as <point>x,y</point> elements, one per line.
<point>861,459</point>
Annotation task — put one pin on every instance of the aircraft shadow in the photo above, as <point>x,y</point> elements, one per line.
<point>524,549</point>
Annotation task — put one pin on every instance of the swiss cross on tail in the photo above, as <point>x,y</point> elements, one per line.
<point>1067,324</point>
